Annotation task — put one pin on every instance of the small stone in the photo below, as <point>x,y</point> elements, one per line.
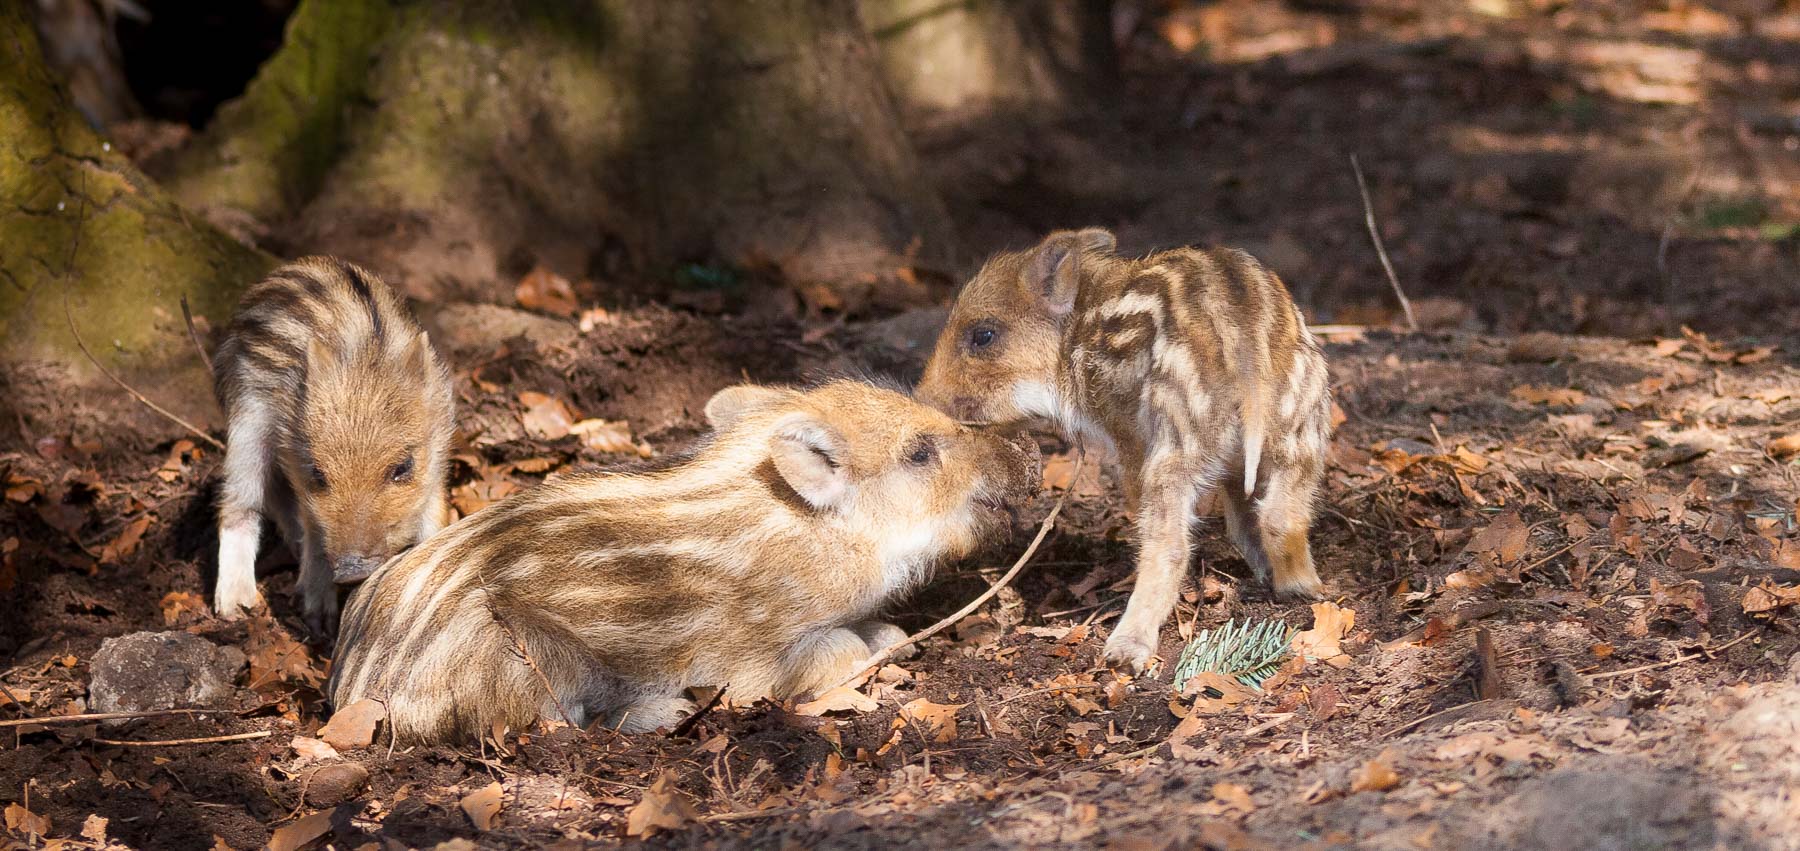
<point>330,785</point>
<point>148,671</point>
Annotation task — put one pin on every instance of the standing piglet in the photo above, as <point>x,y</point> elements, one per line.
<point>1192,368</point>
<point>339,424</point>
<point>756,563</point>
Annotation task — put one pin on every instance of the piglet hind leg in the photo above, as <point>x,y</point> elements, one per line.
<point>241,502</point>
<point>1164,541</point>
<point>1284,520</point>
<point>1242,527</point>
<point>650,713</point>
<point>822,661</point>
<point>318,593</point>
<point>880,635</point>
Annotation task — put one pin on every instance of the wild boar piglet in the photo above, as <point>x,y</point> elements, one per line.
<point>1190,368</point>
<point>758,563</point>
<point>338,418</point>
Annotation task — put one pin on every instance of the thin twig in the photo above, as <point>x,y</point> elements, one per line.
<point>876,661</point>
<point>1417,721</point>
<point>687,724</point>
<point>108,716</point>
<point>1412,324</point>
<point>203,740</point>
<point>487,597</point>
<point>187,316</point>
<point>69,314</point>
<point>1704,652</point>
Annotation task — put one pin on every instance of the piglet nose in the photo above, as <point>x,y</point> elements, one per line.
<point>352,569</point>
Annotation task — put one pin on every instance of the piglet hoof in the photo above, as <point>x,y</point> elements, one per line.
<point>1300,589</point>
<point>1126,649</point>
<point>321,613</point>
<point>235,601</point>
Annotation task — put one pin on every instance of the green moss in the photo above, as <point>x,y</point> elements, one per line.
<point>268,151</point>
<point>80,223</point>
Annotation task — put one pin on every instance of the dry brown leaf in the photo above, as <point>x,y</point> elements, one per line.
<point>1506,538</point>
<point>177,603</point>
<point>546,291</point>
<point>25,822</point>
<point>544,416</point>
<point>1566,397</point>
<point>353,726</point>
<point>1229,799</point>
<point>483,805</point>
<point>663,807</point>
<point>276,658</point>
<point>1376,775</point>
<point>1783,448</point>
<point>93,828</point>
<point>1689,595</point>
<point>937,720</point>
<point>1769,596</point>
<point>1321,643</point>
<point>297,835</point>
<point>840,699</point>
<point>1214,693</point>
<point>312,750</point>
<point>127,541</point>
<point>609,436</point>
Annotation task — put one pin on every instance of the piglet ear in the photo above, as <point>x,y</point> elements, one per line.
<point>1055,271</point>
<point>417,355</point>
<point>734,403</point>
<point>809,455</point>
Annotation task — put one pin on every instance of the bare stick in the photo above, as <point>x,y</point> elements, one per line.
<point>1704,652</point>
<point>193,334</point>
<point>488,598</point>
<point>108,716</point>
<point>203,740</point>
<point>1380,250</point>
<point>877,660</point>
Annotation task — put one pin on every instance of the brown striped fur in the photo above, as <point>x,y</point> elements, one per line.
<point>1191,368</point>
<point>339,424</point>
<point>757,563</point>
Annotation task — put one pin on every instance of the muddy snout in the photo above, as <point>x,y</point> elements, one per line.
<point>351,569</point>
<point>1015,467</point>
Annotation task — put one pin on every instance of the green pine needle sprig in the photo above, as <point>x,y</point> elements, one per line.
<point>1249,652</point>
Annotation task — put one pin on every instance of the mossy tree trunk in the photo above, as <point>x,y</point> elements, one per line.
<point>444,143</point>
<point>78,222</point>
<point>1005,59</point>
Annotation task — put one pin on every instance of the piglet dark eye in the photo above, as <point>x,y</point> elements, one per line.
<point>982,337</point>
<point>922,454</point>
<point>315,477</point>
<point>402,471</point>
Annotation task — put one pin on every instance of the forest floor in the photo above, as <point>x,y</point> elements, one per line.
<point>1559,532</point>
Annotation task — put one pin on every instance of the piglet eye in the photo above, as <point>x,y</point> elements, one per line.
<point>981,337</point>
<point>315,477</point>
<point>402,471</point>
<point>922,454</point>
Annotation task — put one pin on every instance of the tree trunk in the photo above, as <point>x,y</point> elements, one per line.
<point>613,139</point>
<point>79,223</point>
<point>957,59</point>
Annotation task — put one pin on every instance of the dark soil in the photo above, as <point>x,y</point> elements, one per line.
<point>1638,694</point>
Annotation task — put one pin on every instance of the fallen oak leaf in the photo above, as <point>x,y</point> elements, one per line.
<point>353,726</point>
<point>23,821</point>
<point>663,807</point>
<point>177,603</point>
<point>937,719</point>
<point>1562,397</point>
<point>840,699</point>
<point>292,837</point>
<point>483,805</point>
<point>313,750</point>
<point>1376,775</point>
<point>1229,799</point>
<point>1784,448</point>
<point>609,436</point>
<point>545,416</point>
<point>545,291</point>
<point>1769,596</point>
<point>1322,643</point>
<point>1506,539</point>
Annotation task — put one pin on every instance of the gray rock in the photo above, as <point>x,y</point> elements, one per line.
<point>161,670</point>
